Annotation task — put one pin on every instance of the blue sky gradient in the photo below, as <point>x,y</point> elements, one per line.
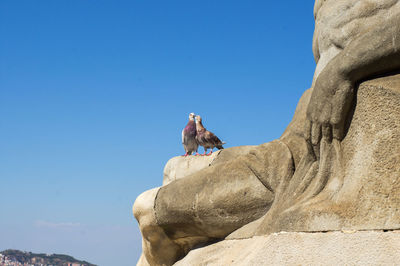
<point>94,95</point>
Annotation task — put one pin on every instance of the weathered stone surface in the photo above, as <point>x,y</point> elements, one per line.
<point>180,166</point>
<point>225,196</point>
<point>335,167</point>
<point>354,40</point>
<point>266,189</point>
<point>332,248</point>
<point>356,183</point>
<point>157,247</point>
<point>339,22</point>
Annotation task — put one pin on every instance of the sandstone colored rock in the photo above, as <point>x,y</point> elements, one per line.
<point>219,199</point>
<point>336,167</point>
<point>354,40</point>
<point>180,166</point>
<point>339,22</point>
<point>331,248</point>
<point>356,183</point>
<point>278,186</point>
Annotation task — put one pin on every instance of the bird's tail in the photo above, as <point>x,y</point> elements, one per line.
<point>219,147</point>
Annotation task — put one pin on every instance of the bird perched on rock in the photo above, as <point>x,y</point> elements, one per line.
<point>189,136</point>
<point>206,138</point>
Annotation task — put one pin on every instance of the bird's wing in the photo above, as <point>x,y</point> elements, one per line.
<point>200,137</point>
<point>203,139</point>
<point>213,139</point>
<point>183,136</point>
<point>209,137</point>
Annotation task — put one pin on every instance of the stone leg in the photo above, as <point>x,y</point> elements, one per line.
<point>209,204</point>
<point>157,248</point>
<point>180,216</point>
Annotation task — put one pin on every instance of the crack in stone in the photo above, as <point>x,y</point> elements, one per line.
<point>259,179</point>
<point>344,231</point>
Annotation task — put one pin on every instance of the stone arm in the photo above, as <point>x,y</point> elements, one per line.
<point>234,189</point>
<point>372,53</point>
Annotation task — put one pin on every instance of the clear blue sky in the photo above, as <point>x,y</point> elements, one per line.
<point>94,95</point>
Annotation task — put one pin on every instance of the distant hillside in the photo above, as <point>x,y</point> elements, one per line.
<point>16,257</point>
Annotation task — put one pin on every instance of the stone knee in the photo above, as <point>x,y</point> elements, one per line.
<point>157,248</point>
<point>143,208</point>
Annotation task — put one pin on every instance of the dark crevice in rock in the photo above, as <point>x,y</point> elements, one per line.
<point>266,185</point>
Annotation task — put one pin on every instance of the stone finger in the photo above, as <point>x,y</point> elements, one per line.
<point>307,130</point>
<point>338,131</point>
<point>327,132</point>
<point>315,133</point>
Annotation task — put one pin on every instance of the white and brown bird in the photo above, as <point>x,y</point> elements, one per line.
<point>206,138</point>
<point>189,136</point>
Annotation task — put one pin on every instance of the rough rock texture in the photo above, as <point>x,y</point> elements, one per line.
<point>224,196</point>
<point>331,248</point>
<point>356,183</point>
<point>354,40</point>
<point>336,166</point>
<point>339,22</point>
<point>179,167</point>
<point>246,191</point>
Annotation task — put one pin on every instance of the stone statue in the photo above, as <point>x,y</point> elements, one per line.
<point>336,166</point>
<point>354,40</point>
